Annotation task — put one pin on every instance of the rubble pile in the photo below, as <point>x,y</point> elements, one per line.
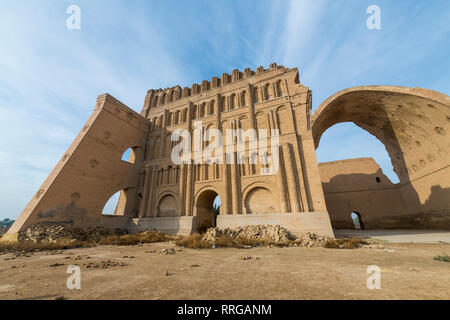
<point>310,240</point>
<point>260,233</point>
<point>265,234</point>
<point>50,232</point>
<point>45,232</point>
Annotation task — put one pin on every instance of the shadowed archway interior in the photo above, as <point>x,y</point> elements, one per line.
<point>205,209</point>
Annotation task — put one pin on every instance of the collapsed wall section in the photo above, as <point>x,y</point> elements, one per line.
<point>91,171</point>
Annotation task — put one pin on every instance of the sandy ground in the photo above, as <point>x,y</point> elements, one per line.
<point>408,271</point>
<point>399,236</point>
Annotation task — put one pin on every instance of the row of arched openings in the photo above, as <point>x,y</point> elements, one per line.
<point>230,102</point>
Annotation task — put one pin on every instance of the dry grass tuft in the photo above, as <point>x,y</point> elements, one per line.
<point>61,244</point>
<point>241,242</point>
<point>224,241</point>
<point>193,241</point>
<point>30,246</point>
<point>347,243</point>
<point>134,239</point>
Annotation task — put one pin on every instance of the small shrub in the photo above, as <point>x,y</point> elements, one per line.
<point>193,241</point>
<point>442,258</point>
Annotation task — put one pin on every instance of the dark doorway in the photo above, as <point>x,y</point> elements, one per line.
<point>207,208</point>
<point>357,221</point>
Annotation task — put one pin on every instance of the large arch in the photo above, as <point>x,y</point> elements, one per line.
<point>414,126</point>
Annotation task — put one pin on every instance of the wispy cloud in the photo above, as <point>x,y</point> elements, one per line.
<point>329,42</point>
<point>51,77</point>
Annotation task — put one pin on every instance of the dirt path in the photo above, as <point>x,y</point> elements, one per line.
<point>408,271</point>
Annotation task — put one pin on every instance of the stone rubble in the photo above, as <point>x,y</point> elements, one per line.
<point>104,264</point>
<point>169,251</point>
<point>310,240</point>
<point>50,232</point>
<point>78,257</point>
<point>273,234</point>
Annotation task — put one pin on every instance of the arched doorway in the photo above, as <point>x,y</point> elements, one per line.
<point>207,207</point>
<point>357,220</point>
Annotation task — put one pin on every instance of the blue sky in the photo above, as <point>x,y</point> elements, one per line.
<point>50,76</point>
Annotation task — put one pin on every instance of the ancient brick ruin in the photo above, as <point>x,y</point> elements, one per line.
<point>302,195</point>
